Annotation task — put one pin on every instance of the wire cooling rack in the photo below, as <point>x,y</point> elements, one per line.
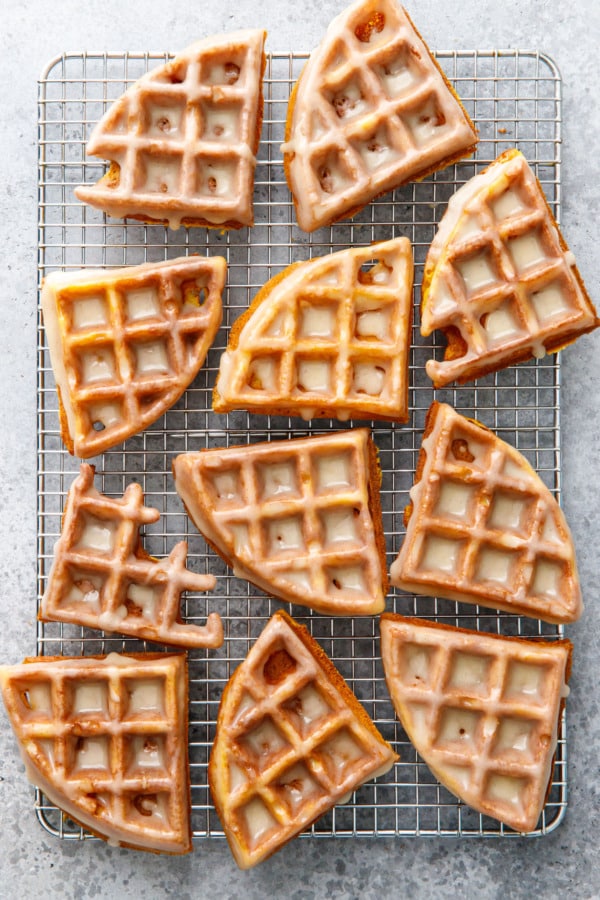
<point>514,98</point>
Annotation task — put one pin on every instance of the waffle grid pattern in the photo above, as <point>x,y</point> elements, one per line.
<point>185,138</point>
<point>513,97</point>
<point>490,709</point>
<point>332,340</point>
<point>99,573</point>
<point>148,335</point>
<point>275,776</point>
<point>505,280</point>
<point>128,722</point>
<point>482,527</point>
<point>371,111</point>
<point>326,524</point>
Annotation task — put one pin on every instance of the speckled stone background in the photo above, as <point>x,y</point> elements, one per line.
<point>33,864</point>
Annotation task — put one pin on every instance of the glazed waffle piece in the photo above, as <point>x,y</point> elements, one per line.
<point>292,741</point>
<point>371,110</point>
<point>301,518</point>
<point>483,528</point>
<point>102,578</point>
<point>126,343</point>
<point>499,279</point>
<point>183,140</point>
<point>326,337</point>
<point>105,739</point>
<point>482,710</point>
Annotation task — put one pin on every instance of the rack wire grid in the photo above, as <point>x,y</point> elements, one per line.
<point>514,97</point>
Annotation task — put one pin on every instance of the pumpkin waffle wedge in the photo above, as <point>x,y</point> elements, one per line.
<point>483,528</point>
<point>301,518</point>
<point>371,110</point>
<point>326,337</point>
<point>292,740</point>
<point>183,140</point>
<point>481,709</point>
<point>105,739</point>
<point>499,279</point>
<point>126,343</point>
<point>102,578</point>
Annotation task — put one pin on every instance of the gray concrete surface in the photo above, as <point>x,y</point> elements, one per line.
<point>32,864</point>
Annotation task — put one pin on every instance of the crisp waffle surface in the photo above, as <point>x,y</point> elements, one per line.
<point>183,139</point>
<point>371,111</point>
<point>292,740</point>
<point>499,278</point>
<point>126,343</point>
<point>482,710</point>
<point>483,528</point>
<point>106,739</point>
<point>299,518</point>
<point>101,578</point>
<point>327,337</point>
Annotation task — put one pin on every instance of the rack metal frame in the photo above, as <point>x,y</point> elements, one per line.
<point>514,98</point>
